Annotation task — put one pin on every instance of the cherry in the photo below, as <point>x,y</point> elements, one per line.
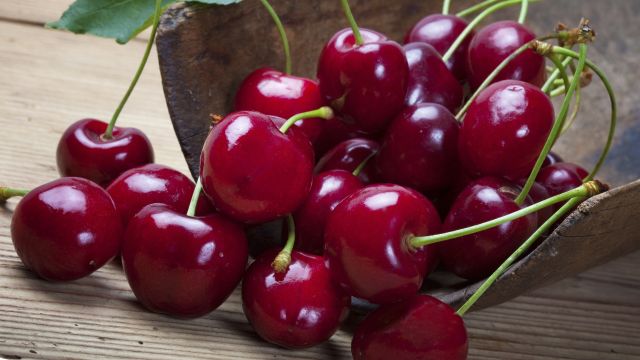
<point>505,129</point>
<point>367,82</point>
<point>538,193</point>
<point>180,265</point>
<point>421,327</point>
<point>297,308</point>
<point>327,190</point>
<point>419,149</point>
<point>152,183</point>
<point>475,256</point>
<point>494,43</point>
<point>367,242</point>
<point>440,31</point>
<point>348,155</point>
<point>66,229</point>
<point>551,159</point>
<point>83,151</point>
<point>560,177</point>
<point>334,132</point>
<point>252,171</point>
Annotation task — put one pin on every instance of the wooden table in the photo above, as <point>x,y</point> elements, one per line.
<point>51,78</point>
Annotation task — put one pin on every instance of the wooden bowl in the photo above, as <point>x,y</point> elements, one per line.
<point>205,52</point>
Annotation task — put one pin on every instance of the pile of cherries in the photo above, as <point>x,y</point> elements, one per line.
<point>364,164</point>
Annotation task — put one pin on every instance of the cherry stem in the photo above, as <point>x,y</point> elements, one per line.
<point>7,193</point>
<point>352,22</point>
<point>557,127</point>
<point>585,190</point>
<point>283,35</point>
<point>516,254</point>
<point>574,112</point>
<point>560,67</point>
<point>283,259</point>
<point>324,112</point>
<point>557,91</point>
<point>191,211</point>
<point>358,170</point>
<point>476,7</point>
<point>446,5</point>
<point>108,134</point>
<point>523,11</point>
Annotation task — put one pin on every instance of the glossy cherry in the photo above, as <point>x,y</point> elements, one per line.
<point>551,159</point>
<point>348,154</point>
<point>252,171</point>
<point>496,42</point>
<point>84,152</point>
<point>538,193</point>
<point>505,129</point>
<point>560,177</point>
<point>419,149</point>
<point>298,308</point>
<point>66,229</point>
<point>365,83</point>
<point>440,31</point>
<point>327,190</point>
<point>429,78</point>
<point>477,255</point>
<point>421,327</point>
<point>334,132</point>
<point>367,242</point>
<point>180,265</point>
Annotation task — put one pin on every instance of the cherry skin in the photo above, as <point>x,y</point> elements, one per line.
<point>298,308</point>
<point>180,265</point>
<point>348,155</point>
<point>421,327</point>
<point>66,229</point>
<point>440,31</point>
<point>83,152</point>
<point>429,78</point>
<point>551,159</point>
<point>561,177</point>
<point>476,256</point>
<point>275,93</point>
<point>252,171</point>
<point>505,129</point>
<point>334,132</point>
<point>419,149</point>
<point>496,42</point>
<point>366,242</point>
<point>153,183</point>
<point>365,83</point>
<point>539,193</point>
<point>327,190</point>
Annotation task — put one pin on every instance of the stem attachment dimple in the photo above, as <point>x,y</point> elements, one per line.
<point>7,193</point>
<point>194,198</point>
<point>283,35</point>
<point>352,22</point>
<point>324,112</point>
<point>283,259</point>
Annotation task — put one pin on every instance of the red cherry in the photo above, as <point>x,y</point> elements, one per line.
<point>505,129</point>
<point>477,255</point>
<point>66,229</point>
<point>348,155</point>
<point>561,177</point>
<point>83,152</point>
<point>252,171</point>
<point>420,148</point>
<point>334,132</point>
<point>539,193</point>
<point>421,327</point>
<point>180,265</point>
<point>365,83</point>
<point>153,183</point>
<point>299,308</point>
<point>366,242</point>
<point>494,43</point>
<point>275,93</point>
<point>327,190</point>
<point>551,159</point>
<point>440,31</point>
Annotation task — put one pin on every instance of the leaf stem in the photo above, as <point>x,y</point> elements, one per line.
<point>283,259</point>
<point>283,35</point>
<point>324,112</point>
<point>446,5</point>
<point>476,7</point>
<point>194,198</point>
<point>352,22</point>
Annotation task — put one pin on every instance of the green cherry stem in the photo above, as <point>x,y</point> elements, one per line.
<point>358,170</point>
<point>283,259</point>
<point>561,71</point>
<point>324,112</point>
<point>574,112</point>
<point>108,134</point>
<point>446,5</point>
<point>560,90</point>
<point>283,35</point>
<point>191,211</point>
<point>523,11</point>
<point>352,22</point>
<point>585,190</point>
<point>7,193</point>
<point>477,7</point>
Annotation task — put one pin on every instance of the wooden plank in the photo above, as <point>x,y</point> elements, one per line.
<point>33,11</point>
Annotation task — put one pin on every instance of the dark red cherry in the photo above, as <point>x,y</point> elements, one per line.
<point>334,132</point>
<point>495,43</point>
<point>275,93</point>
<point>440,31</point>
<point>419,149</point>
<point>84,152</point>
<point>153,183</point>
<point>476,256</point>
<point>429,79</point>
<point>252,171</point>
<point>421,327</point>
<point>505,129</point>
<point>367,242</point>
<point>298,308</point>
<point>561,177</point>
<point>551,159</point>
<point>327,190</point>
<point>66,229</point>
<point>539,193</point>
<point>180,265</point>
<point>365,83</point>
<point>348,154</point>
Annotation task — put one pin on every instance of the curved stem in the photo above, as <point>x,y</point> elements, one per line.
<point>476,7</point>
<point>324,112</point>
<point>194,198</point>
<point>523,11</point>
<point>356,172</point>
<point>352,22</point>
<point>108,134</point>
<point>7,193</point>
<point>283,35</point>
<point>516,254</point>
<point>446,4</point>
<point>560,90</point>
<point>560,70</point>
<point>283,259</point>
<point>574,112</point>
